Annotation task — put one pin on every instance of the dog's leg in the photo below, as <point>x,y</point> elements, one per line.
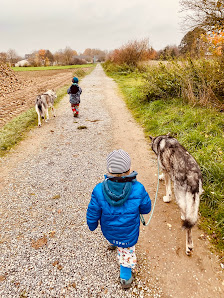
<point>189,242</point>
<point>161,177</point>
<point>38,114</point>
<point>180,195</point>
<point>47,115</point>
<point>39,121</point>
<point>167,197</point>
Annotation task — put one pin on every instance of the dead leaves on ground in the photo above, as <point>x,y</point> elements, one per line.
<point>39,243</point>
<point>2,278</point>
<point>52,234</point>
<point>56,264</point>
<point>82,127</point>
<point>56,197</point>
<point>96,120</point>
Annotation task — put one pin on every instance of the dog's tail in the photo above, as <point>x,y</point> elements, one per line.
<point>191,215</point>
<point>187,224</point>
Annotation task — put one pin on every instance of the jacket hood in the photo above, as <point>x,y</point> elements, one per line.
<point>115,191</point>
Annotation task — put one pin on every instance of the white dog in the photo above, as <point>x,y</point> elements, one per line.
<point>43,102</point>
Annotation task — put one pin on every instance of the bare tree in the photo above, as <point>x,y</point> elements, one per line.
<point>58,57</point>
<point>131,53</point>
<point>69,54</point>
<point>12,57</point>
<point>97,53</point>
<point>207,14</point>
<point>169,52</point>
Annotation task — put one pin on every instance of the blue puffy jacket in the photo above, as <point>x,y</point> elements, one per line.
<point>118,206</point>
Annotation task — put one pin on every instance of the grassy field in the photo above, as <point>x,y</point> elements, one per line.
<point>199,129</point>
<point>50,67</point>
<point>16,129</point>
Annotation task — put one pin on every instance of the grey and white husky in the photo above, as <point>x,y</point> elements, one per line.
<point>179,166</point>
<point>43,102</point>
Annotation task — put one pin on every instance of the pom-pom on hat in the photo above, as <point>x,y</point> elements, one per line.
<point>75,80</point>
<point>118,162</point>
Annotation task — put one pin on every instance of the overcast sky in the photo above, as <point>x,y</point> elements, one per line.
<point>27,25</point>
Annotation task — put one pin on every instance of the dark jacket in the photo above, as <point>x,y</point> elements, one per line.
<point>74,97</point>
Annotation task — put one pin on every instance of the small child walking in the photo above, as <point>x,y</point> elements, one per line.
<point>74,91</point>
<point>117,203</point>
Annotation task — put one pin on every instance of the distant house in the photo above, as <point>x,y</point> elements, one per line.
<point>22,63</point>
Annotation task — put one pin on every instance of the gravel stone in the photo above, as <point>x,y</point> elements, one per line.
<point>46,248</point>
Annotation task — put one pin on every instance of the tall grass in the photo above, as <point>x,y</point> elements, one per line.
<point>198,128</point>
<point>198,82</point>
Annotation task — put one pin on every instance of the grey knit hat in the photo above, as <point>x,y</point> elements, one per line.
<point>118,162</point>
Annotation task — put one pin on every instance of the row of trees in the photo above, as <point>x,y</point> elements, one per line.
<point>44,57</point>
<point>204,21</point>
<point>10,57</point>
<point>205,37</point>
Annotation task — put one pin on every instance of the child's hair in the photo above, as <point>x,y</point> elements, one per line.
<point>120,175</point>
<point>75,80</point>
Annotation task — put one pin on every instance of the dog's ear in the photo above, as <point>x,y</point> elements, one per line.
<point>151,138</point>
<point>169,134</point>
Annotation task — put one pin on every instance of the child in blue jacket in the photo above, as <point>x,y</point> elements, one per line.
<point>117,203</point>
<point>74,92</point>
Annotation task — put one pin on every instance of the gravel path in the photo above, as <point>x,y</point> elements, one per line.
<point>46,249</point>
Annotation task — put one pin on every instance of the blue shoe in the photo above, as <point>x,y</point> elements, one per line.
<point>125,277</point>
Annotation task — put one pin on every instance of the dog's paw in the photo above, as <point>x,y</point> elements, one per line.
<point>182,217</point>
<point>166,199</point>
<point>189,250</point>
<point>161,177</point>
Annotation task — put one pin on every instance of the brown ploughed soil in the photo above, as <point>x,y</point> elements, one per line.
<point>13,102</point>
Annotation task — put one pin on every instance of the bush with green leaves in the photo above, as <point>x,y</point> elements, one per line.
<point>113,68</point>
<point>199,82</point>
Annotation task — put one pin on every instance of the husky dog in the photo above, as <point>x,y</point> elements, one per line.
<point>180,167</point>
<point>43,102</point>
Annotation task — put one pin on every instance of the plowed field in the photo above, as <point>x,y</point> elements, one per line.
<point>36,82</point>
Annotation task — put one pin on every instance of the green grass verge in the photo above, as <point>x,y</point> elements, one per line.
<point>29,68</point>
<point>200,130</point>
<point>16,129</point>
